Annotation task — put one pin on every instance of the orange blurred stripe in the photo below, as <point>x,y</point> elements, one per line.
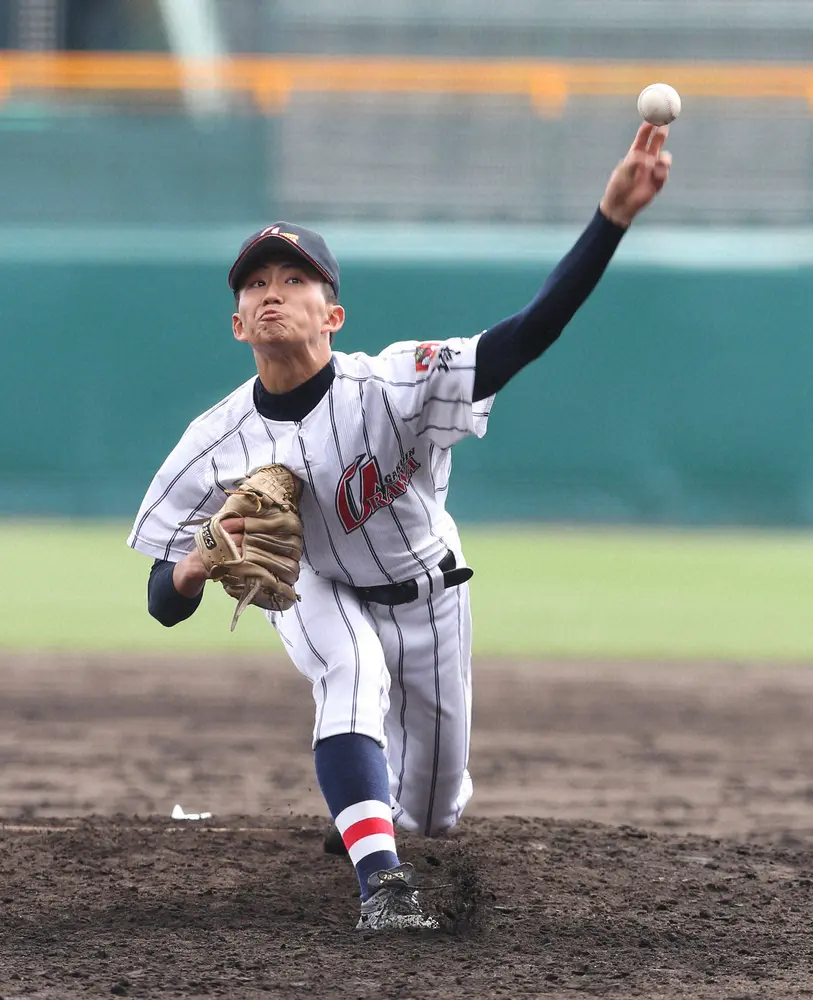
<point>271,80</point>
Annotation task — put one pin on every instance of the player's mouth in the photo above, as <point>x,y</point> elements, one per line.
<point>272,314</point>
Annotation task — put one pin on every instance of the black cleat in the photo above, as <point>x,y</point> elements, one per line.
<point>333,843</point>
<point>394,905</point>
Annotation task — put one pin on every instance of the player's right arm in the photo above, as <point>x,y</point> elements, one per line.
<point>507,347</point>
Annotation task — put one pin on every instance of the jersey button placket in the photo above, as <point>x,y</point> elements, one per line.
<point>306,455</point>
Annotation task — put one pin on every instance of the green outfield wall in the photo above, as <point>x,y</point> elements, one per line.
<point>680,393</point>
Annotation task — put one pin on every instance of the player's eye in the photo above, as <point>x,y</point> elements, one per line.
<point>293,277</point>
<point>257,283</point>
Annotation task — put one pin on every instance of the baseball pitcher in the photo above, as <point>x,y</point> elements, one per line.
<point>317,491</point>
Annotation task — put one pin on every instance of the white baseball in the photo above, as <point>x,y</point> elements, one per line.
<point>659,104</point>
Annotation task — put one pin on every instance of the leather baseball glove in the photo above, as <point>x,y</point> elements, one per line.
<point>266,571</point>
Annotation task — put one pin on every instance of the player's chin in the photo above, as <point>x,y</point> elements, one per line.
<point>272,331</point>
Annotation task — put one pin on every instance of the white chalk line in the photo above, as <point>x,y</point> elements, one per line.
<point>180,825</point>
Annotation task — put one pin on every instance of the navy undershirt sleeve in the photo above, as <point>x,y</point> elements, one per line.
<point>165,604</point>
<point>505,349</point>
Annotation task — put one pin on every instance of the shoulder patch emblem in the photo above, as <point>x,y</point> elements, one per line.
<point>424,354</point>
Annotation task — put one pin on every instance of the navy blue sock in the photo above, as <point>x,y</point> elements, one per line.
<point>352,773</point>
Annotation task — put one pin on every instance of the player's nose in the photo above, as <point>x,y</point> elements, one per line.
<point>273,293</point>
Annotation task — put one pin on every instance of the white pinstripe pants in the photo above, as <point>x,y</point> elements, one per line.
<point>401,675</point>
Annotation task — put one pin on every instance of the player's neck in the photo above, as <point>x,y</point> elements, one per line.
<point>280,374</point>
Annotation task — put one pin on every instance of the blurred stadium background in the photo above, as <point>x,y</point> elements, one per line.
<point>450,152</point>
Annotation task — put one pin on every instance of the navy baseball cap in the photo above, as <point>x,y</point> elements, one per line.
<point>285,236</point>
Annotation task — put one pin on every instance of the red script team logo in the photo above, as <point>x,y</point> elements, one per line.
<point>362,490</point>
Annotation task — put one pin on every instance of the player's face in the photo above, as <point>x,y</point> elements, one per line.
<point>283,305</point>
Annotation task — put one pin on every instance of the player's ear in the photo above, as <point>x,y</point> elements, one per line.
<point>237,327</point>
<point>335,319</point>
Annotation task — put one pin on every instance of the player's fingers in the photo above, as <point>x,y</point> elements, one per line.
<point>660,173</point>
<point>642,137</point>
<point>234,525</point>
<point>661,166</point>
<point>658,139</point>
<point>636,163</point>
<point>238,542</point>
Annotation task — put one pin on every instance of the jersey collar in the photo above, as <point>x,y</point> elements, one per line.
<point>296,404</point>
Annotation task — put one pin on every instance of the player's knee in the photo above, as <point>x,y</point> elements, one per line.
<point>428,827</point>
<point>440,829</point>
<point>444,816</point>
<point>433,808</point>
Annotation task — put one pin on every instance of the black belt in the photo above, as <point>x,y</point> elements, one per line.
<point>404,593</point>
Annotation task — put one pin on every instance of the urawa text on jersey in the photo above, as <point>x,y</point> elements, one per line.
<point>362,490</point>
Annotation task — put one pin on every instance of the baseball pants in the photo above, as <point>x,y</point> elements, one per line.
<point>401,675</point>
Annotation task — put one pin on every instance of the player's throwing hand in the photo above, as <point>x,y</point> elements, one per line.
<point>638,177</point>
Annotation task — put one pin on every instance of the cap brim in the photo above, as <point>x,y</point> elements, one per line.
<point>255,252</point>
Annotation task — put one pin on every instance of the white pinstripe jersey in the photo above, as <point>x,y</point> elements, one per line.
<point>373,455</point>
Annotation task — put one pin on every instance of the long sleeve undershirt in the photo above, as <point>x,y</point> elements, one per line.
<point>508,346</point>
<point>164,602</point>
<point>502,351</point>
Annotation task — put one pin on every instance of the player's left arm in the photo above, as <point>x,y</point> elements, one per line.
<point>175,589</point>
<point>166,602</point>
<point>506,348</point>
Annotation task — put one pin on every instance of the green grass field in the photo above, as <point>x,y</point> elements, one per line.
<point>536,592</point>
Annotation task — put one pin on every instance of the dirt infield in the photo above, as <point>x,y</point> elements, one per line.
<point>636,831</point>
